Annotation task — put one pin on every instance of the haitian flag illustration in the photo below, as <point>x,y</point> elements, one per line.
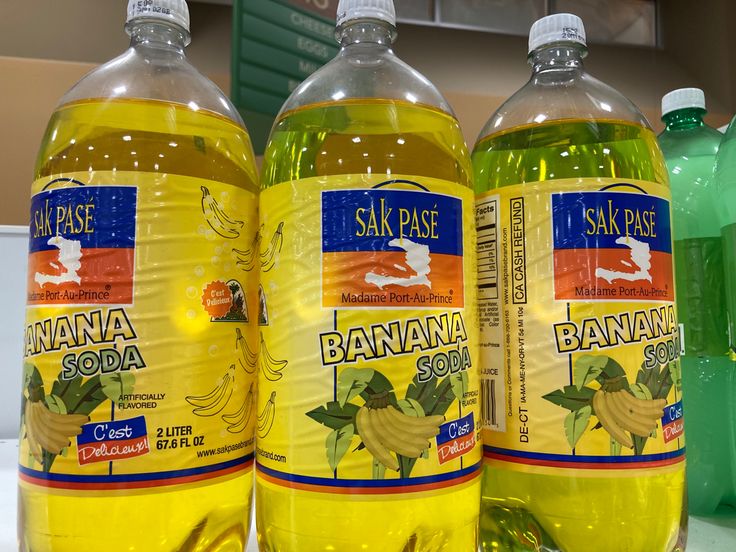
<point>391,248</point>
<point>82,245</point>
<point>612,246</point>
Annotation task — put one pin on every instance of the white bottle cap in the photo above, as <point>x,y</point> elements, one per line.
<point>682,98</point>
<point>175,11</point>
<point>560,27</point>
<point>366,9</point>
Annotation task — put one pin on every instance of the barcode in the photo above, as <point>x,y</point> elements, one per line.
<point>488,404</point>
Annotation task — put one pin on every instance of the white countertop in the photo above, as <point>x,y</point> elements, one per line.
<point>715,534</point>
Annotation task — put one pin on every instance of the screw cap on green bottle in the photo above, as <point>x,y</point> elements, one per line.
<point>559,27</point>
<point>382,10</point>
<point>682,98</point>
<point>175,11</point>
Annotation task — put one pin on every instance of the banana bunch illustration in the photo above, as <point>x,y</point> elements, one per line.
<point>238,421</point>
<point>619,412</point>
<point>247,258</point>
<point>247,357</point>
<point>48,430</point>
<point>270,367</point>
<point>386,430</point>
<point>215,401</point>
<point>217,218</point>
<point>270,255</point>
<point>267,416</point>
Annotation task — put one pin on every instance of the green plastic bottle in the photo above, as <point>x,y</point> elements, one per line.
<point>689,147</point>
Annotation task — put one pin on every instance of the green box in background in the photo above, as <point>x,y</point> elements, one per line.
<point>276,45</point>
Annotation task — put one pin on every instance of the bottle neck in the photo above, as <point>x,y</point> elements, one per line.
<point>158,35</point>
<point>359,33</point>
<point>557,57</point>
<point>684,119</point>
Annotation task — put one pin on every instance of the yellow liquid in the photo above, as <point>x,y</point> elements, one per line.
<point>379,137</point>
<point>214,515</point>
<point>562,509</point>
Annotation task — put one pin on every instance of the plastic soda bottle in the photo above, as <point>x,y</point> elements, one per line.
<point>583,429</point>
<point>369,394</point>
<point>689,147</point>
<point>138,388</point>
<point>723,404</point>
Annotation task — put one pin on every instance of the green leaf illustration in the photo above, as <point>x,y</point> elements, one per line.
<point>675,369</point>
<point>571,397</point>
<point>459,384</point>
<point>338,443</point>
<point>613,376</point>
<point>421,392</point>
<point>352,382</point>
<point>641,391</point>
<point>576,422</point>
<point>378,384</point>
<point>33,382</point>
<point>55,404</point>
<point>333,415</point>
<point>117,384</point>
<point>587,368</point>
<point>379,470</point>
<point>82,398</point>
<point>410,407</point>
<point>659,381</point>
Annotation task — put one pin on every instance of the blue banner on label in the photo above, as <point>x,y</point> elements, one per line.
<point>376,219</point>
<point>603,220</point>
<point>98,217</point>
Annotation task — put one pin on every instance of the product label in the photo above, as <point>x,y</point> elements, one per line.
<point>368,366</point>
<point>580,342</point>
<point>64,221</point>
<point>140,332</point>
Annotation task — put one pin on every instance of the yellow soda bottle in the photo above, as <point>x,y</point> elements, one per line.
<point>580,344</point>
<point>368,404</point>
<point>141,326</point>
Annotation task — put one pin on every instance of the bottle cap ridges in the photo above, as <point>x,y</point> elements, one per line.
<point>383,10</point>
<point>559,27</point>
<point>682,98</point>
<point>175,11</point>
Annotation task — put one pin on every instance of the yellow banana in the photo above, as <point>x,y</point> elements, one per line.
<point>247,357</point>
<point>248,258</point>
<point>423,426</point>
<point>267,416</point>
<point>238,421</point>
<point>270,367</point>
<point>638,426</point>
<point>65,425</point>
<point>608,422</point>
<point>268,257</point>
<point>51,441</point>
<point>371,441</point>
<point>33,445</point>
<point>400,442</point>
<point>643,407</point>
<point>213,402</point>
<point>216,217</point>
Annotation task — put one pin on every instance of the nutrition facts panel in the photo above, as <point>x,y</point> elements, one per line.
<point>486,211</point>
<point>487,218</point>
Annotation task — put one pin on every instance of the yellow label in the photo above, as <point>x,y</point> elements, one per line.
<point>368,378</point>
<point>141,314</point>
<point>580,342</point>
